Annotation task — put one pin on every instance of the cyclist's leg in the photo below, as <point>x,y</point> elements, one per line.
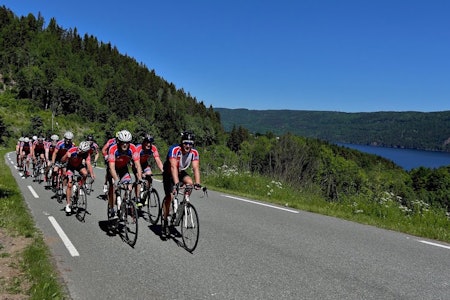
<point>69,176</point>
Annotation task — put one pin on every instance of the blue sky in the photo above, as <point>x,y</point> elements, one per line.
<point>341,55</point>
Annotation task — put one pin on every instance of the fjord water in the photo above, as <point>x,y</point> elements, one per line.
<point>406,158</point>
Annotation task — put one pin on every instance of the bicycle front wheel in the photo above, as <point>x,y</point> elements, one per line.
<point>153,204</point>
<point>190,227</point>
<point>81,204</point>
<point>130,220</point>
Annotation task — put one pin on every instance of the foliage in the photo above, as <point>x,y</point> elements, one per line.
<point>414,130</point>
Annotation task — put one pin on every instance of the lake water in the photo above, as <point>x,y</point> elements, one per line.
<point>406,158</point>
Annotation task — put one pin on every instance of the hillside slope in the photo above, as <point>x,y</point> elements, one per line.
<point>415,130</point>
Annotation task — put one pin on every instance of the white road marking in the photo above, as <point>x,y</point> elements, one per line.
<point>72,250</point>
<point>262,204</point>
<point>35,195</point>
<point>434,244</point>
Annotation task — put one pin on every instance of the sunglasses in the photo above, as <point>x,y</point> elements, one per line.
<point>188,143</point>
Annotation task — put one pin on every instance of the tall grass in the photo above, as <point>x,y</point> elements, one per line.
<point>386,211</point>
<point>16,219</point>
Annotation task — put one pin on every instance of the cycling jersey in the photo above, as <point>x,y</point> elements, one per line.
<point>183,161</point>
<point>76,158</point>
<point>39,148</point>
<point>62,148</point>
<point>26,147</point>
<point>122,158</point>
<point>145,154</point>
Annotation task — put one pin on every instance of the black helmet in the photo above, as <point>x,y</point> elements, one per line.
<point>148,138</point>
<point>187,136</point>
<point>90,138</point>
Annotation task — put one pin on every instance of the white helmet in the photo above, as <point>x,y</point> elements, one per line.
<point>54,137</point>
<point>26,140</point>
<point>34,137</point>
<point>124,136</point>
<point>84,146</point>
<point>21,139</point>
<point>68,135</point>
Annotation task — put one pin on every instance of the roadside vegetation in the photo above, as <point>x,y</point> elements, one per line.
<point>36,277</point>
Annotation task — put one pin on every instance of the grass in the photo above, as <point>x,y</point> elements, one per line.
<point>35,259</point>
<point>384,212</point>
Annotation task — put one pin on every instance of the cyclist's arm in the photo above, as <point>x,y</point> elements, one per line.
<point>174,169</point>
<point>159,164</point>
<point>112,171</point>
<point>196,169</point>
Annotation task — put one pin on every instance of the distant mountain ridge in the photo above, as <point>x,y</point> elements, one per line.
<point>410,129</point>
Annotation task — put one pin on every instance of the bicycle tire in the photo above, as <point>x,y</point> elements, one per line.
<point>153,204</point>
<point>190,227</point>
<point>81,204</point>
<point>59,189</point>
<point>130,217</point>
<point>88,185</point>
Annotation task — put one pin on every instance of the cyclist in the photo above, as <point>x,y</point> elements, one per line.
<point>119,156</point>
<point>178,159</point>
<point>60,150</point>
<point>147,150</point>
<point>77,159</point>
<point>94,151</point>
<point>38,150</point>
<point>51,144</point>
<point>25,150</point>
<point>19,142</point>
<point>105,150</point>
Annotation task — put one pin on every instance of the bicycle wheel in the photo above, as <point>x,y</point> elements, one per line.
<point>130,220</point>
<point>153,204</point>
<point>81,204</point>
<point>59,189</point>
<point>190,227</point>
<point>88,185</point>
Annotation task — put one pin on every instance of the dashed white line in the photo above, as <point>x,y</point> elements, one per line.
<point>262,204</point>
<point>33,192</point>
<point>72,250</point>
<point>434,244</point>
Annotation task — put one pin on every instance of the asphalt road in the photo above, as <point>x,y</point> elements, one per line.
<point>247,250</point>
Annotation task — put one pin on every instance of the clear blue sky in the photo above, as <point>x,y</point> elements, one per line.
<point>326,55</point>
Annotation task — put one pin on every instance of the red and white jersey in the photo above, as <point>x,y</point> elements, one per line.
<point>122,158</point>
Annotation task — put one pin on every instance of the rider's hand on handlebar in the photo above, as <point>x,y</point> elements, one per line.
<point>197,186</point>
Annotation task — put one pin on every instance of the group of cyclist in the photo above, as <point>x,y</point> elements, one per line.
<point>119,153</point>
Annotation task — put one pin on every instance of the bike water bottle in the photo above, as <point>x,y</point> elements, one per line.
<point>74,189</point>
<point>119,201</point>
<point>175,205</point>
<point>142,192</point>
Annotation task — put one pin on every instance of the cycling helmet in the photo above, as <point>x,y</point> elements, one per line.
<point>124,136</point>
<point>68,135</point>
<point>187,137</point>
<point>54,137</point>
<point>148,138</point>
<point>90,138</point>
<point>84,146</point>
<point>26,140</point>
<point>117,134</point>
<point>21,139</point>
<point>34,137</point>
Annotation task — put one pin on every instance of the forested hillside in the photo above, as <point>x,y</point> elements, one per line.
<point>414,130</point>
<point>61,71</point>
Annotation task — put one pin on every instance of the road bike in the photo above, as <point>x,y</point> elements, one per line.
<point>152,203</point>
<point>185,217</point>
<point>126,221</point>
<point>38,170</point>
<point>58,185</point>
<point>79,197</point>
